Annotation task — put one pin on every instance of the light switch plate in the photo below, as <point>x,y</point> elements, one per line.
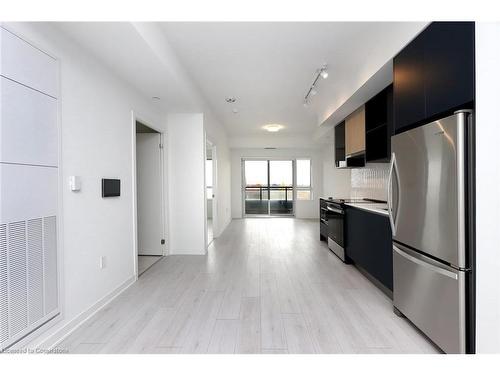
<point>75,184</point>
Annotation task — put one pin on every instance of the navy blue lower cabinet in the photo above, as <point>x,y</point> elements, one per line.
<point>369,243</point>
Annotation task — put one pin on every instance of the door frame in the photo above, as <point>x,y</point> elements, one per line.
<point>215,218</point>
<point>137,117</point>
<point>294,183</point>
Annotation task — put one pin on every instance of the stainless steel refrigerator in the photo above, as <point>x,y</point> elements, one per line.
<point>430,193</point>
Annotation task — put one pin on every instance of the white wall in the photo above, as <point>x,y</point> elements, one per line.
<point>487,183</point>
<point>336,182</point>
<point>303,209</point>
<point>277,140</point>
<point>96,140</point>
<point>154,36</point>
<point>186,183</point>
<point>216,134</point>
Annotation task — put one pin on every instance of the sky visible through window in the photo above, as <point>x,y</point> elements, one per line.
<point>280,171</point>
<point>304,173</point>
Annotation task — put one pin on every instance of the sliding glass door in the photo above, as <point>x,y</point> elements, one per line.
<point>281,187</point>
<point>268,187</point>
<point>256,178</point>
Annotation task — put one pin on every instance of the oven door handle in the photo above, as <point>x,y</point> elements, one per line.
<point>331,209</point>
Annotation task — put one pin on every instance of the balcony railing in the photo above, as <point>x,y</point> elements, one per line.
<point>262,200</point>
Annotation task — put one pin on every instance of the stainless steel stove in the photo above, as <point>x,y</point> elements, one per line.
<point>335,212</point>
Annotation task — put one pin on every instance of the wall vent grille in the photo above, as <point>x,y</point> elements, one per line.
<point>28,277</point>
<point>50,263</point>
<point>17,274</point>
<point>35,271</point>
<point>4,302</point>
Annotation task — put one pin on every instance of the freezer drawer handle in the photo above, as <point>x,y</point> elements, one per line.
<point>429,266</point>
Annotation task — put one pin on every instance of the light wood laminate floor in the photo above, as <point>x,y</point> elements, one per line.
<point>146,261</point>
<point>266,286</point>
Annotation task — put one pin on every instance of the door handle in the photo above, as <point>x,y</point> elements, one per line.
<point>389,194</point>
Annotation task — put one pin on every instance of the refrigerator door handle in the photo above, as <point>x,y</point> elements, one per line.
<point>398,185</point>
<point>389,194</point>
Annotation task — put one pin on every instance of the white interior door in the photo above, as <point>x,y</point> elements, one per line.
<point>149,194</point>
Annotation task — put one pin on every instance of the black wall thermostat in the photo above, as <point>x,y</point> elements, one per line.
<point>110,187</point>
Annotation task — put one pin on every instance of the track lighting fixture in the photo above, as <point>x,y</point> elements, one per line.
<point>321,72</point>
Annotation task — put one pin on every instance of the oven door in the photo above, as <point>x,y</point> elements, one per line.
<point>336,229</point>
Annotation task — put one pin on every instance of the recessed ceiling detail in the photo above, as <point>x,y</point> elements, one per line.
<point>211,61</point>
<point>242,60</point>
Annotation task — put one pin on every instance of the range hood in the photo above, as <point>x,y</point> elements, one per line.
<point>356,160</point>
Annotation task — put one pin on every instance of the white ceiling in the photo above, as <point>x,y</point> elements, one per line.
<point>268,67</point>
<point>123,49</point>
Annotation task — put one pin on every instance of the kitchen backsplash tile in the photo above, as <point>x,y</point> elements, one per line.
<point>370,181</point>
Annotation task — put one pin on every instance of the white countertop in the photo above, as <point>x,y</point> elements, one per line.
<point>377,208</point>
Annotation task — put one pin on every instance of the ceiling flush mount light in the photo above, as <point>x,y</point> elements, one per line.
<point>235,110</point>
<point>273,128</point>
<point>156,98</point>
<point>231,99</point>
<point>321,72</point>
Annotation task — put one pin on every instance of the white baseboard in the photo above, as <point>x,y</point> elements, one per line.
<point>54,338</point>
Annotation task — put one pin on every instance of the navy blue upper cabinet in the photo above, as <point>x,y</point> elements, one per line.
<point>408,86</point>
<point>434,74</point>
<point>450,66</point>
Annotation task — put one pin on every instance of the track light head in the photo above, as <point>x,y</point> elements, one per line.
<point>321,72</point>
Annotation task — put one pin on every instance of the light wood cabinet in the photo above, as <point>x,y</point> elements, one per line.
<point>355,132</point>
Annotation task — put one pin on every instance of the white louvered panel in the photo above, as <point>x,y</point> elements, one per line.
<point>17,274</point>
<point>35,270</point>
<point>4,303</point>
<point>50,264</point>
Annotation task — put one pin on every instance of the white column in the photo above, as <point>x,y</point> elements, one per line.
<point>487,185</point>
<point>186,182</point>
